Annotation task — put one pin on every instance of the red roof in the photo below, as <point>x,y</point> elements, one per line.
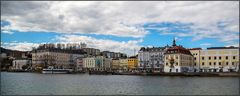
<point>178,49</point>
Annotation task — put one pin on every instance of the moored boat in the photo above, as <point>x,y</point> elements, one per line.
<point>56,71</point>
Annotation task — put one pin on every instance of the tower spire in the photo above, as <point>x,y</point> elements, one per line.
<point>174,42</point>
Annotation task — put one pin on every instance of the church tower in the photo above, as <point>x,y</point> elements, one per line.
<point>174,42</point>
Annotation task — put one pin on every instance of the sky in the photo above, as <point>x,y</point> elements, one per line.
<point>120,26</point>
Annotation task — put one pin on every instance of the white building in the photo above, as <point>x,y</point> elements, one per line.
<point>178,59</point>
<point>97,63</point>
<point>89,63</point>
<point>18,64</point>
<point>151,59</point>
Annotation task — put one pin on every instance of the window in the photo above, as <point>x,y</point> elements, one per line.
<point>215,57</point>
<point>219,63</point>
<point>202,58</point>
<point>220,57</point>
<point>232,63</point>
<point>226,57</point>
<point>209,58</point>
<point>194,58</point>
<point>226,63</point>
<point>167,64</point>
<point>233,57</point>
<point>214,63</point>
<point>202,63</point>
<point>195,64</point>
<point>176,57</point>
<point>176,63</point>
<point>210,63</point>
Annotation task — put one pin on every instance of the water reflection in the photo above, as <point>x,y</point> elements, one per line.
<point>83,84</point>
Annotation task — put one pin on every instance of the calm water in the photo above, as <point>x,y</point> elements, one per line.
<point>83,84</point>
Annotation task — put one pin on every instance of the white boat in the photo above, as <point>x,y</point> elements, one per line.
<point>56,71</point>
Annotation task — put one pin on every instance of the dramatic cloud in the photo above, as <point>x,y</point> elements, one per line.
<point>123,18</point>
<point>102,44</point>
<point>127,47</point>
<point>70,17</point>
<point>21,46</point>
<point>198,19</point>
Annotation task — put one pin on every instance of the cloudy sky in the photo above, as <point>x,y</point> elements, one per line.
<point>120,26</point>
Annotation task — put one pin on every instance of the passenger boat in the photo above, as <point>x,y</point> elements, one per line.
<point>56,71</point>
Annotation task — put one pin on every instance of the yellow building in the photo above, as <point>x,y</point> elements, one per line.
<point>196,54</point>
<point>132,63</point>
<point>217,59</point>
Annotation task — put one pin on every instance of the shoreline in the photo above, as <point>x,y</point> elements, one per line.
<point>202,74</point>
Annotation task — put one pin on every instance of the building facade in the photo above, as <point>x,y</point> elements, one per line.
<point>92,51</point>
<point>151,59</point>
<point>196,54</point>
<point>132,63</point>
<point>79,65</point>
<point>115,64</point>
<point>109,54</point>
<point>89,63</point>
<point>178,59</point>
<point>107,62</point>
<point>19,63</point>
<point>97,63</point>
<point>217,59</point>
<point>123,64</point>
<point>48,55</point>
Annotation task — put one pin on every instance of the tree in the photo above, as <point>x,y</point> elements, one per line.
<point>6,63</point>
<point>24,67</point>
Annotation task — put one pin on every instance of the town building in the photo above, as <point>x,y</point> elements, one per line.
<point>89,63</point>
<point>107,62</point>
<point>196,54</point>
<point>178,59</point>
<point>49,55</point>
<point>216,59</point>
<point>92,51</point>
<point>115,64</point>
<point>123,64</point>
<point>19,64</point>
<point>79,65</point>
<point>151,59</point>
<point>109,54</point>
<point>132,63</point>
<point>97,63</point>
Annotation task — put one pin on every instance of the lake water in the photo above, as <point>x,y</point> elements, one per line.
<point>84,84</point>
